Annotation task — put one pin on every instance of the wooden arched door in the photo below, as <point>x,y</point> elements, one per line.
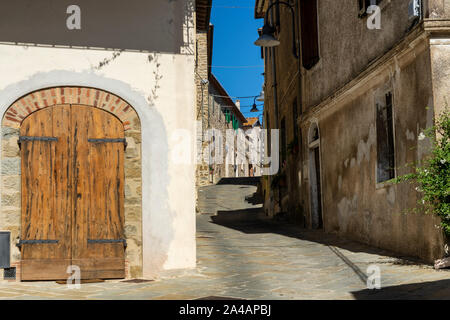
<point>72,193</point>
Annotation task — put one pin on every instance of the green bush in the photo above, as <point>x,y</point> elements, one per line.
<point>433,175</point>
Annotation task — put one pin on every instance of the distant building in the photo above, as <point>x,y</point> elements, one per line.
<point>224,116</point>
<point>216,110</point>
<point>254,147</point>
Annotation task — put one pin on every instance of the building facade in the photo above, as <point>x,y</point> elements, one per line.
<point>92,108</point>
<point>216,113</point>
<point>350,110</point>
<point>224,122</point>
<point>254,146</point>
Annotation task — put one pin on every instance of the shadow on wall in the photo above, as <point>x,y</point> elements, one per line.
<point>435,290</point>
<point>135,25</point>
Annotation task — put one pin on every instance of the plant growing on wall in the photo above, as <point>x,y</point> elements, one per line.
<point>433,175</point>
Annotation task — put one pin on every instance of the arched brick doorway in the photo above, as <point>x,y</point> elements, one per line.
<point>100,105</point>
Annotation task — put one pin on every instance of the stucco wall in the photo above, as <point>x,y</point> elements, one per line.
<point>139,25</point>
<point>160,87</point>
<point>342,34</point>
<point>440,58</point>
<point>437,8</point>
<point>356,66</point>
<point>354,205</point>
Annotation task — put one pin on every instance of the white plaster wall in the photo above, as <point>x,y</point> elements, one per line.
<point>161,89</point>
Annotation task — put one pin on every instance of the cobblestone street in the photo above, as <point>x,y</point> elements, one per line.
<point>247,259</point>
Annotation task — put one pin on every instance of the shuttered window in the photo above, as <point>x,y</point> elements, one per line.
<point>309,33</point>
<point>385,141</point>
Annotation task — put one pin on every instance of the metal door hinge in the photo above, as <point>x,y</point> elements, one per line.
<point>22,242</point>
<point>28,138</point>
<point>108,241</point>
<point>119,140</point>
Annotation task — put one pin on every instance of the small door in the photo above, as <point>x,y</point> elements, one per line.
<point>315,188</point>
<point>72,193</point>
<point>319,188</point>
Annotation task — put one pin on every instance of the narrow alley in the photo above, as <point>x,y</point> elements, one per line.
<point>241,256</point>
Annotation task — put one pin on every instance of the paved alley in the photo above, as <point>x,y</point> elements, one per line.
<point>243,258</point>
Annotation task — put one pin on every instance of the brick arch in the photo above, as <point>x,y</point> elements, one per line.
<point>49,97</point>
<point>10,175</point>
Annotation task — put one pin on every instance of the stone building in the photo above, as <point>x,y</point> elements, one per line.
<point>225,116</point>
<point>254,146</point>
<point>203,60</point>
<point>215,110</point>
<point>93,101</point>
<point>350,110</point>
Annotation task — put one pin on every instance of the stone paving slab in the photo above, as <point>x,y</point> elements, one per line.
<point>263,260</point>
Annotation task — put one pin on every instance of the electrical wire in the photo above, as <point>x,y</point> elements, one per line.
<point>248,97</point>
<point>258,105</point>
<point>237,67</point>
<point>224,7</point>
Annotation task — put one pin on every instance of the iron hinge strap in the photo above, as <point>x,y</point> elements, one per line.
<point>108,241</point>
<point>21,242</point>
<point>28,138</point>
<point>105,140</point>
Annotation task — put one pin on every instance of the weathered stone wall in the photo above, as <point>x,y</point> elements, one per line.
<point>356,66</point>
<point>436,9</point>
<point>10,213</point>
<point>216,120</point>
<point>354,204</point>
<point>347,46</point>
<point>202,168</point>
<point>287,86</point>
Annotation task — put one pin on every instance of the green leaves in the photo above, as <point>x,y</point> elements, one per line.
<point>433,176</point>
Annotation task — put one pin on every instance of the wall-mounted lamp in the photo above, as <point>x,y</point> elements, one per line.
<point>254,108</point>
<point>261,96</point>
<point>267,38</point>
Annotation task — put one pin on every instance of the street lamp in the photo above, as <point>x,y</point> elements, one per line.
<point>254,108</point>
<point>267,38</point>
<point>261,96</point>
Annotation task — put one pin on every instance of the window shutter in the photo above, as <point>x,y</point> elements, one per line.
<point>385,141</point>
<point>309,33</point>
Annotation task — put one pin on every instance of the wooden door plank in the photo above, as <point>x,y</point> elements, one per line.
<point>44,216</point>
<point>72,191</point>
<point>100,210</point>
<point>81,121</point>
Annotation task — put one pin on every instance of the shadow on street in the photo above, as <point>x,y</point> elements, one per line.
<point>426,290</point>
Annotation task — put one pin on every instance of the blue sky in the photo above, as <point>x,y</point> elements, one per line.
<point>235,30</point>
